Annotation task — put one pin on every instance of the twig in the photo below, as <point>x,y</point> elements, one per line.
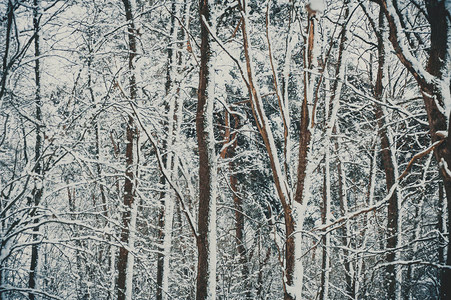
<point>419,155</point>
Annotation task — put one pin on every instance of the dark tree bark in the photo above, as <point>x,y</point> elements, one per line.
<point>388,165</point>
<point>38,169</point>
<point>5,64</point>
<point>131,139</point>
<point>205,281</point>
<point>160,255</point>
<point>437,121</point>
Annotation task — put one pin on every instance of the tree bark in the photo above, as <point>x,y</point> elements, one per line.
<point>125,263</point>
<point>325,215</point>
<point>167,197</point>
<point>389,168</point>
<point>206,240</point>
<point>229,152</point>
<point>38,188</point>
<point>5,64</point>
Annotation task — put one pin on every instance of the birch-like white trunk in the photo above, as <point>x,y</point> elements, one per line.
<point>210,138</point>
<point>171,161</point>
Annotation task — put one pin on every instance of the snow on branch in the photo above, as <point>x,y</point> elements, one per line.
<point>164,171</point>
<point>400,44</point>
<point>338,222</point>
<point>418,156</point>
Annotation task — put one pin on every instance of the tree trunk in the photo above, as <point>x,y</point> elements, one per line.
<point>438,122</point>
<point>38,188</point>
<point>171,162</point>
<point>441,223</point>
<point>325,215</point>
<point>5,64</point>
<point>125,261</point>
<point>335,128</point>
<point>229,152</point>
<point>389,168</point>
<point>206,239</point>
<point>418,229</point>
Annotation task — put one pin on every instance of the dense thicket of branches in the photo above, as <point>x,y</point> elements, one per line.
<point>240,149</point>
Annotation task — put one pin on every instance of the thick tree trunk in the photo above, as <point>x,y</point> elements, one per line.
<point>125,262</point>
<point>438,122</point>
<point>37,190</point>
<point>206,240</point>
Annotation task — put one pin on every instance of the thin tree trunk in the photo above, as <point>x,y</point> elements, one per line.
<point>125,263</point>
<point>167,196</point>
<point>389,168</point>
<point>206,240</point>
<point>418,226</point>
<point>98,168</point>
<point>229,152</point>
<point>342,189</point>
<point>82,291</point>
<point>441,223</point>
<point>329,121</point>
<point>38,188</point>
<point>342,195</point>
<point>97,138</point>
<point>332,102</point>
<point>7,41</point>
<point>325,215</point>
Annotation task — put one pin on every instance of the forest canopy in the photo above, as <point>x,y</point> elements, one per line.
<point>225,149</point>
